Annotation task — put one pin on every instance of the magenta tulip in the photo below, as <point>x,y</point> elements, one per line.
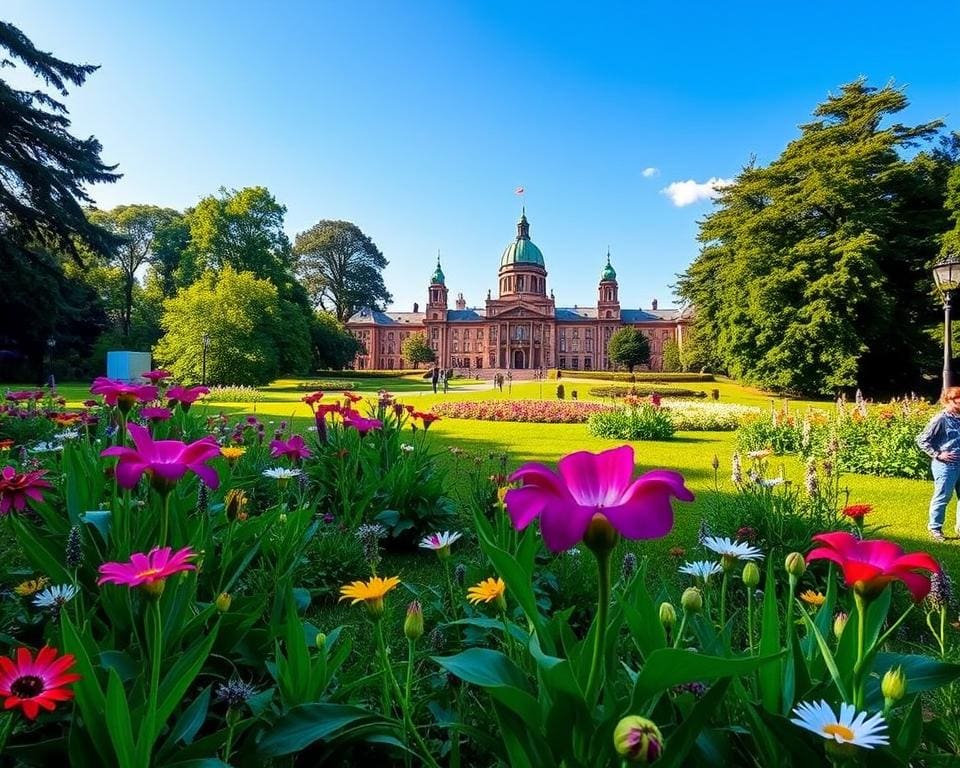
<point>591,484</point>
<point>294,449</point>
<point>186,396</point>
<point>164,461</point>
<point>124,396</point>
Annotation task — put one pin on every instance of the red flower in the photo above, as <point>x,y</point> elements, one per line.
<point>186,396</point>
<point>352,397</point>
<point>35,684</point>
<point>857,511</point>
<point>124,396</point>
<point>869,566</point>
<point>426,418</point>
<point>311,399</point>
<point>65,419</point>
<point>294,449</point>
<point>164,461</point>
<point>16,489</point>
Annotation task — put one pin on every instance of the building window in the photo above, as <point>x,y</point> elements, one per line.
<point>390,348</point>
<point>609,314</point>
<point>434,333</point>
<point>456,346</point>
<point>493,333</point>
<point>576,344</point>
<point>563,346</point>
<point>456,333</point>
<point>588,345</point>
<point>563,333</point>
<point>575,363</point>
<point>587,364</point>
<point>588,333</point>
<point>390,364</point>
<point>466,346</point>
<point>563,362</point>
<point>576,333</point>
<point>479,346</point>
<point>390,336</point>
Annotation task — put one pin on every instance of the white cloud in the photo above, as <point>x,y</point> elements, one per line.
<point>688,192</point>
<point>650,172</point>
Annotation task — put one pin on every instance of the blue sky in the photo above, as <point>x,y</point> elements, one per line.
<point>418,120</point>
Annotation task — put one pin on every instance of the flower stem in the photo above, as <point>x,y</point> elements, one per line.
<point>749,621</point>
<point>232,716</point>
<point>678,638</point>
<point>149,729</point>
<point>858,681</point>
<point>723,601</point>
<point>600,621</point>
<point>165,519</point>
<point>453,594</point>
<point>408,691</point>
<point>5,730</point>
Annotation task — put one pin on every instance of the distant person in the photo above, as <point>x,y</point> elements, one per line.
<point>444,380</point>
<point>940,440</point>
<point>435,377</point>
<point>559,373</point>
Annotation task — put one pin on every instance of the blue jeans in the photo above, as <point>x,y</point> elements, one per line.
<point>946,482</point>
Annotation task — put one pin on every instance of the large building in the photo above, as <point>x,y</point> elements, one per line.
<point>522,328</point>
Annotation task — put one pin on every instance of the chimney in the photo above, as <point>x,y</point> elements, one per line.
<point>416,307</point>
<point>653,304</point>
<point>461,302</point>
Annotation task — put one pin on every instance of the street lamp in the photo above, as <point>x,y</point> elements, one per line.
<point>203,364</point>
<point>51,344</point>
<point>946,274</point>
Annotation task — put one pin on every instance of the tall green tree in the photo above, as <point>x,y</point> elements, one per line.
<point>416,349</point>
<point>341,268</point>
<point>144,232</point>
<point>334,347</point>
<point>813,270</point>
<point>628,347</point>
<point>247,326</point>
<point>670,359</point>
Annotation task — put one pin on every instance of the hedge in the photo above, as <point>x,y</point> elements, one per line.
<point>371,374</point>
<point>644,390</point>
<point>639,376</point>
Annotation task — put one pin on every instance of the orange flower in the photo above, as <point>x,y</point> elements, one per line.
<point>857,511</point>
<point>487,591</point>
<point>370,592</point>
<point>813,598</point>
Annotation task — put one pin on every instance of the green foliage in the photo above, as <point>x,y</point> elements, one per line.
<point>341,267</point>
<point>241,315</point>
<point>221,394</point>
<point>698,352</point>
<point>416,349</point>
<point>334,347</point>
<point>628,347</point>
<point>640,422</point>
<point>670,361</point>
<point>951,238</point>
<point>333,558</point>
<point>813,273</point>
<point>645,390</point>
<point>637,376</point>
<point>700,416</point>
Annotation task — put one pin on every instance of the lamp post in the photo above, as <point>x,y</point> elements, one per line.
<point>203,363</point>
<point>51,345</point>
<point>946,274</point>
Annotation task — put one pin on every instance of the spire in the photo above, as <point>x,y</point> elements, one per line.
<point>609,273</point>
<point>523,227</point>
<point>438,277</point>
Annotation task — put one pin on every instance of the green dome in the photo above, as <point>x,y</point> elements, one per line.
<point>609,273</point>
<point>438,278</point>
<point>522,250</point>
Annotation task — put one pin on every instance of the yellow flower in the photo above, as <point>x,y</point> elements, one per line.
<point>813,598</point>
<point>232,452</point>
<point>31,587</point>
<point>488,591</point>
<point>370,592</point>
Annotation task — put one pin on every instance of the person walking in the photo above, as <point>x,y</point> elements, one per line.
<point>444,380</point>
<point>940,440</point>
<point>435,377</point>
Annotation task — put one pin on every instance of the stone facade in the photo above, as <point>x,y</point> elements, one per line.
<point>522,328</point>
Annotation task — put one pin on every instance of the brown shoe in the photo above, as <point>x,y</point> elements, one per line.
<point>936,535</point>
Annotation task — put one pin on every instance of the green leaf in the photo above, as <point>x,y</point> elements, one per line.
<point>668,667</point>
<point>118,721</point>
<point>308,723</point>
<point>911,730</point>
<point>87,692</point>
<point>828,658</point>
<point>99,519</point>
<point>192,719</point>
<point>181,675</point>
<point>769,677</point>
<point>121,662</point>
<point>683,738</point>
<point>924,673</point>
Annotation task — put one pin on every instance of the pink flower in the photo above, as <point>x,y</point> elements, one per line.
<point>16,489</point>
<point>591,484</point>
<point>156,414</point>
<point>294,449</point>
<point>186,396</point>
<point>165,461</point>
<point>145,569</point>
<point>869,566</point>
<point>124,396</point>
<point>361,424</point>
<point>155,377</point>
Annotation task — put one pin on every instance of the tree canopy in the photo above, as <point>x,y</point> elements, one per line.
<point>628,347</point>
<point>813,270</point>
<point>341,268</point>
<point>334,347</point>
<point>416,349</point>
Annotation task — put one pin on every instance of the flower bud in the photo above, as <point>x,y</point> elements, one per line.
<point>638,740</point>
<point>795,565</point>
<point>692,600</point>
<point>751,575</point>
<point>223,602</point>
<point>601,537</point>
<point>893,686</point>
<point>668,615</point>
<point>153,589</point>
<point>413,624</point>
<point>321,641</point>
<point>839,623</point>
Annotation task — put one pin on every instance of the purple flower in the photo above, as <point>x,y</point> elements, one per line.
<point>294,449</point>
<point>590,484</point>
<point>361,424</point>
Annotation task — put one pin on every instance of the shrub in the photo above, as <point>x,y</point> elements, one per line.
<point>538,411</point>
<point>560,392</point>
<point>644,390</point>
<point>644,376</point>
<point>333,558</point>
<point>698,416</point>
<point>327,385</point>
<point>643,422</point>
<point>235,395</point>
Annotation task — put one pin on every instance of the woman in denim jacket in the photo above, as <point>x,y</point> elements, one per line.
<point>940,440</point>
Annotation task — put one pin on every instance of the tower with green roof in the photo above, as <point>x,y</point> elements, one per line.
<point>522,269</point>
<point>437,301</point>
<point>608,299</point>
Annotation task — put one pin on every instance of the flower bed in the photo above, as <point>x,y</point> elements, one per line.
<point>645,390</point>
<point>698,416</point>
<point>537,411</point>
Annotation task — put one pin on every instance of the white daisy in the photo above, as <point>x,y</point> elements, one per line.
<point>701,569</point>
<point>70,434</point>
<point>281,473</point>
<point>406,447</point>
<point>438,541</point>
<point>55,597</point>
<point>46,448</point>
<point>737,550</point>
<point>845,729</point>
<point>772,482</point>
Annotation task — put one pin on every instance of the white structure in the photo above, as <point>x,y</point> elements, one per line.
<point>127,366</point>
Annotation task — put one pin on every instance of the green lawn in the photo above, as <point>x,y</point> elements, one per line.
<point>900,505</point>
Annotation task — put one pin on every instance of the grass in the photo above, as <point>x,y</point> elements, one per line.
<point>900,505</point>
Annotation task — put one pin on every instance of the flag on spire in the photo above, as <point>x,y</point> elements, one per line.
<point>519,191</point>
